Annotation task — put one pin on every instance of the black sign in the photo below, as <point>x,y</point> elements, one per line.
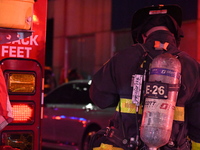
<point>156,90</point>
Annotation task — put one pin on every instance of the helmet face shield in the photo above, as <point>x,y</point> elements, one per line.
<point>146,18</point>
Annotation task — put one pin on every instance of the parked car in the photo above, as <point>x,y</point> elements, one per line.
<point>70,118</point>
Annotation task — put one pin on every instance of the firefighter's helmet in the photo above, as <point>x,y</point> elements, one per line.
<point>161,15</point>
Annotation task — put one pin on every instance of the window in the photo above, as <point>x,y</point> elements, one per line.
<point>73,93</point>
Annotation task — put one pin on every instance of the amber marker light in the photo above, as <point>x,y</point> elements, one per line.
<point>21,83</point>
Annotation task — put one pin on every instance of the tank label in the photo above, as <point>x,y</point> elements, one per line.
<point>158,113</point>
<point>156,90</point>
<point>165,72</point>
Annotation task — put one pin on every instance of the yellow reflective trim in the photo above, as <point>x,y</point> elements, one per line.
<point>179,113</point>
<point>107,147</point>
<point>195,146</point>
<point>128,107</point>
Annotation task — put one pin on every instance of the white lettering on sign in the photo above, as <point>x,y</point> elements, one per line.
<point>32,41</point>
<point>20,48</point>
<point>16,51</point>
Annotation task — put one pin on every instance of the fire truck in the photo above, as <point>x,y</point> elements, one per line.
<point>22,61</point>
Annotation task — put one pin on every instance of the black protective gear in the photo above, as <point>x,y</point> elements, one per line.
<point>113,80</point>
<point>146,18</point>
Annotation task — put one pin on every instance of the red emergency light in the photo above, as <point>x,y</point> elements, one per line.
<point>23,112</point>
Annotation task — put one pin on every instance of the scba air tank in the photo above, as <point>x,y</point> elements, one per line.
<point>161,96</point>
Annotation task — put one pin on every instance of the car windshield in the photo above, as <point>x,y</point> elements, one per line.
<point>69,93</point>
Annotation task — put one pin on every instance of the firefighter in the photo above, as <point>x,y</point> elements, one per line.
<point>155,30</point>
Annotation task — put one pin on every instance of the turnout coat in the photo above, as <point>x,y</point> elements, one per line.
<point>112,83</point>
